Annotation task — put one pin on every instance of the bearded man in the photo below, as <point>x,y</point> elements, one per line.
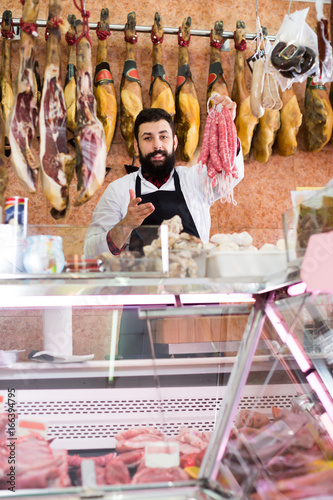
<point>157,192</point>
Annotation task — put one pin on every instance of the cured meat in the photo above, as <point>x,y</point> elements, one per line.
<point>6,86</point>
<point>290,121</point>
<point>132,458</point>
<point>265,135</point>
<point>3,170</point>
<point>187,104</point>
<point>89,133</point>
<point>103,82</point>
<point>56,164</point>
<point>318,116</point>
<point>160,92</point>
<point>257,87</point>
<point>22,122</point>
<point>219,147</point>
<point>216,80</point>
<point>245,121</point>
<point>70,82</point>
<point>130,88</point>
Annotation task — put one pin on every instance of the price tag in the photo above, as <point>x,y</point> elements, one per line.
<point>2,402</point>
<point>162,454</point>
<point>25,427</point>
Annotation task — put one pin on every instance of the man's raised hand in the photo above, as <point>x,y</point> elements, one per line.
<point>136,213</point>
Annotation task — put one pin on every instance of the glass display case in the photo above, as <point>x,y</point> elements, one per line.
<point>221,390</point>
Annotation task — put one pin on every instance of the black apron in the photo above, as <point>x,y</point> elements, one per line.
<point>133,336</point>
<point>167,204</point>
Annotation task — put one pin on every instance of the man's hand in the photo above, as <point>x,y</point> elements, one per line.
<point>134,217</point>
<point>136,213</point>
<point>226,102</point>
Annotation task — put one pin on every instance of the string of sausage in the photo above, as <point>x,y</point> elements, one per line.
<point>219,147</point>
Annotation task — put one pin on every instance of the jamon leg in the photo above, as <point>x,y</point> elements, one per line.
<point>89,133</point>
<point>187,104</point>
<point>56,163</point>
<point>131,102</point>
<point>23,119</point>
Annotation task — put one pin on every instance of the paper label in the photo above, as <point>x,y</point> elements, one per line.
<point>25,427</point>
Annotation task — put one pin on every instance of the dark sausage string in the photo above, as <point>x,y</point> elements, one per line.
<point>218,152</point>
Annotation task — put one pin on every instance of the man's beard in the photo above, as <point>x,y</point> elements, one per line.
<point>158,171</point>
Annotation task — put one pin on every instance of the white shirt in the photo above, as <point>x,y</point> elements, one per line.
<point>196,187</point>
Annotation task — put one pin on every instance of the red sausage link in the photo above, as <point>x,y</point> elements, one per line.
<point>205,142</point>
<point>214,143</point>
<point>231,138</point>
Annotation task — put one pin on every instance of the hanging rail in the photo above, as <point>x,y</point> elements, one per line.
<point>147,29</point>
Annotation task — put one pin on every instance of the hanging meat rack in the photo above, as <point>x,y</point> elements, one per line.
<point>145,29</point>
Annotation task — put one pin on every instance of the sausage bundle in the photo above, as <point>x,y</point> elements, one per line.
<point>219,149</point>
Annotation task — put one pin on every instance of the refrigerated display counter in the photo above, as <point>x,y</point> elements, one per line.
<point>234,399</point>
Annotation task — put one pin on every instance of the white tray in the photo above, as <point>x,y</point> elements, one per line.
<point>245,264</point>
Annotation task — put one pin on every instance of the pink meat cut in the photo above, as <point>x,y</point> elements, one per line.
<point>37,465</point>
<point>89,132</point>
<point>116,472</point>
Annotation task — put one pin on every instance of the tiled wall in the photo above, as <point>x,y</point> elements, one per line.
<point>264,194</point>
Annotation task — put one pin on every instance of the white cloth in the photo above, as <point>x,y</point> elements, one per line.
<point>112,207</point>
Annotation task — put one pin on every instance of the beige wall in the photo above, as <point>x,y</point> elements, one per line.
<point>264,194</point>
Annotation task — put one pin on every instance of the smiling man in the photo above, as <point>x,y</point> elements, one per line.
<point>157,192</point>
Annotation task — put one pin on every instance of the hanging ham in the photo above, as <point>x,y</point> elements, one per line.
<point>6,85</point>
<point>130,88</point>
<point>56,164</point>
<point>3,169</point>
<point>269,121</point>
<point>22,122</point>
<point>291,119</point>
<point>70,81</point>
<point>187,104</point>
<point>216,80</point>
<point>245,121</point>
<point>160,92</point>
<point>103,82</point>
<point>89,133</point>
<point>318,115</point>
<point>265,134</point>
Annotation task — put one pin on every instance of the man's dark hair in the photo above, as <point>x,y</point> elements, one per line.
<point>152,115</point>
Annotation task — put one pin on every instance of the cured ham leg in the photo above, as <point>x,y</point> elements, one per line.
<point>3,169</point>
<point>130,87</point>
<point>265,135</point>
<point>89,133</point>
<point>56,164</point>
<point>216,81</point>
<point>23,118</point>
<point>187,104</point>
<point>245,121</point>
<point>161,95</point>
<point>7,94</point>
<point>103,82</point>
<point>70,82</point>
<point>291,120</point>
<point>318,116</point>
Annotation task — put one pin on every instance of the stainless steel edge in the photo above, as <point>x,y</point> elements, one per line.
<point>219,440</point>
